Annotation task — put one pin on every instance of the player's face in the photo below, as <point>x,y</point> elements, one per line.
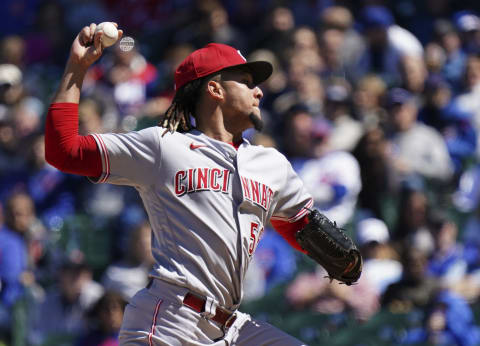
<point>241,99</point>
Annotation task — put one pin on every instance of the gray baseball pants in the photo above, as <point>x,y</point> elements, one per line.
<point>157,316</point>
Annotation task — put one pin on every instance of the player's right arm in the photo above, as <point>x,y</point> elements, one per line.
<point>65,149</point>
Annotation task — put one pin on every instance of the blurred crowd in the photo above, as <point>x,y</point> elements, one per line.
<point>375,103</point>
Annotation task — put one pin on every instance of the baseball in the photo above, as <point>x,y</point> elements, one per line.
<point>110,33</point>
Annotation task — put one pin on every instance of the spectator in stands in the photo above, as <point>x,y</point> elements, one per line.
<point>448,39</point>
<point>90,117</point>
<point>415,288</point>
<point>105,321</point>
<point>343,44</point>
<point>50,189</point>
<point>372,155</point>
<point>449,320</point>
<point>172,57</point>
<point>381,266</point>
<point>471,237</point>
<point>45,40</point>
<point>12,50</point>
<point>412,228</point>
<point>387,43</point>
<point>306,86</point>
<point>446,117</point>
<point>26,117</point>
<point>20,116</point>
<point>469,286</point>
<point>277,35</point>
<point>129,78</point>
<point>211,25</point>
<point>128,276</point>
<point>413,74</point>
<point>421,17</point>
<point>447,262</point>
<point>332,42</point>
<point>367,101</point>
<point>313,291</point>
<point>435,58</point>
<point>333,176</point>
<point>469,99</point>
<point>345,130</point>
<point>11,87</point>
<point>66,304</point>
<point>468,24</point>
<point>304,40</point>
<point>297,143</point>
<point>20,246</point>
<point>417,148</point>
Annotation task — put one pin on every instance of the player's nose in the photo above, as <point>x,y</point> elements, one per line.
<point>258,93</point>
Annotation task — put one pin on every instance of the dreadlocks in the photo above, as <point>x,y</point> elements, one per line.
<point>177,116</point>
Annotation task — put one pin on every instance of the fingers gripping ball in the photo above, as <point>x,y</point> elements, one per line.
<point>329,246</point>
<point>110,33</point>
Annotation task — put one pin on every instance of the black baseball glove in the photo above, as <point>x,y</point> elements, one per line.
<point>329,246</point>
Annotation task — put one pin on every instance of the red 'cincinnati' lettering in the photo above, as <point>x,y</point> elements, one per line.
<point>179,187</point>
<point>214,174</point>
<point>246,190</point>
<point>254,185</point>
<point>264,196</point>
<point>216,179</point>
<point>191,183</point>
<point>226,178</point>
<point>256,192</point>
<point>201,179</point>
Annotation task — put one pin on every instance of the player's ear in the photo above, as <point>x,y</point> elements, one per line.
<point>215,90</point>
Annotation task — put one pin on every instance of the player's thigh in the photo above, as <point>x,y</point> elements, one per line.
<point>153,320</point>
<point>258,333</point>
<point>138,319</point>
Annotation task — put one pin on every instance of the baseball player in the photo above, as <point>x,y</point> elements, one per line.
<point>207,191</point>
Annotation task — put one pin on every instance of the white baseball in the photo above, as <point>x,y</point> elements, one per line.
<point>110,33</point>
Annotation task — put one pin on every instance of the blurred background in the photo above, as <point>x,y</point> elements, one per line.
<point>375,103</point>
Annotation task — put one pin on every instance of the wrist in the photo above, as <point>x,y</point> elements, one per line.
<point>71,84</point>
<point>75,69</point>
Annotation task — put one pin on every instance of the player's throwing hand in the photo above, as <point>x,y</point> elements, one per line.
<point>86,48</point>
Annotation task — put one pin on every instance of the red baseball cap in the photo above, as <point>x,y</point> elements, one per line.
<point>215,57</point>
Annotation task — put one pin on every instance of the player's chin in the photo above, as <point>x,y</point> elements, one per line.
<point>256,121</point>
<point>256,112</point>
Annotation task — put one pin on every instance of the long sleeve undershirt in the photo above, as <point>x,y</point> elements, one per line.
<point>65,149</point>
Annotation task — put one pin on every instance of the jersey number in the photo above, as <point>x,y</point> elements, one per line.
<point>254,237</point>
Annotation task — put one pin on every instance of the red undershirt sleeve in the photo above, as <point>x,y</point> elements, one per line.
<point>65,149</point>
<point>288,229</point>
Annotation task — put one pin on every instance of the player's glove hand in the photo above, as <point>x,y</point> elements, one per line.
<point>329,246</point>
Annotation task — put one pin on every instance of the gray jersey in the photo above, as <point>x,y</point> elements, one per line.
<point>207,202</point>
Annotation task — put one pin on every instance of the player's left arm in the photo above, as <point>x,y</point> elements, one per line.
<point>292,206</point>
<point>314,234</point>
<point>288,230</point>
